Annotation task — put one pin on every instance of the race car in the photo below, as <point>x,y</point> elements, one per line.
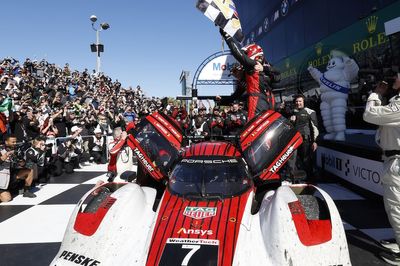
<point>210,212</point>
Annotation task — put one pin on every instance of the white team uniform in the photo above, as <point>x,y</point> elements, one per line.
<point>388,138</point>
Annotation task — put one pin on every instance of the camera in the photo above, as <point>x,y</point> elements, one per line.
<point>19,154</point>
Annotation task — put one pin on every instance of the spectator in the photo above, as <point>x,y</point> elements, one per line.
<point>97,147</point>
<point>31,124</point>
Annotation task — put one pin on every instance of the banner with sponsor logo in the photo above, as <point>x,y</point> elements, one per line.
<point>223,13</point>
<point>218,68</point>
<point>359,41</point>
<point>362,172</point>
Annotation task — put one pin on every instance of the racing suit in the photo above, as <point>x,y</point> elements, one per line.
<point>260,97</point>
<point>388,138</point>
<point>115,147</point>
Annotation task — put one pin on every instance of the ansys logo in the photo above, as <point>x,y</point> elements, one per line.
<point>371,23</point>
<point>318,48</point>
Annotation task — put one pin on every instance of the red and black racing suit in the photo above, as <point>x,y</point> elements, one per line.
<point>260,97</point>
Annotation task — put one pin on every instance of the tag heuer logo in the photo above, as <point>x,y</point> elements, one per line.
<point>200,212</point>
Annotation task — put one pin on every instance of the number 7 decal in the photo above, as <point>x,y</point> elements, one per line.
<point>193,248</point>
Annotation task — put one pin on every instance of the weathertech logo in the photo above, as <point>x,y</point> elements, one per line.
<point>200,212</point>
<point>143,160</point>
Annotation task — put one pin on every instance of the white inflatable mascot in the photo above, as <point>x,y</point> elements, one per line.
<point>335,85</point>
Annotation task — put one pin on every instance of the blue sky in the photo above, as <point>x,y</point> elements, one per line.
<point>148,43</point>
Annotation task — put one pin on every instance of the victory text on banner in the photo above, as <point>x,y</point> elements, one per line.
<point>223,13</point>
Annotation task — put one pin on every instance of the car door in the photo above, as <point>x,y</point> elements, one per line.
<point>156,142</point>
<point>267,143</point>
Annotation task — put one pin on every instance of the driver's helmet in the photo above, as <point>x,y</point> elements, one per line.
<point>253,51</point>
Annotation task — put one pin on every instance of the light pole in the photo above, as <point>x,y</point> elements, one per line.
<point>98,47</point>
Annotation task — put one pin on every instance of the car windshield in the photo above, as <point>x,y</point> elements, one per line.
<point>155,146</point>
<point>209,178</point>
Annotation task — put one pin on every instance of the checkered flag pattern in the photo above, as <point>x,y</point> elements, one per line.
<point>223,13</point>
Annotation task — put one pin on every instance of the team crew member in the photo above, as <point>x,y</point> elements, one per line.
<point>260,97</point>
<point>235,120</point>
<point>305,121</point>
<point>115,148</point>
<point>388,138</point>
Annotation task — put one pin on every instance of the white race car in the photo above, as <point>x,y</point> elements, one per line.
<point>208,213</point>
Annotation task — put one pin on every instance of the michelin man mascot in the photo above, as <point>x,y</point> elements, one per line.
<point>334,86</point>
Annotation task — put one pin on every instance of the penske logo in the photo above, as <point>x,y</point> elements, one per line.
<point>282,160</point>
<point>195,232</point>
<point>143,160</point>
<point>200,212</point>
<point>78,259</point>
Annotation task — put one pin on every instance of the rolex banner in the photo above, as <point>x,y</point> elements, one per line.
<point>222,13</point>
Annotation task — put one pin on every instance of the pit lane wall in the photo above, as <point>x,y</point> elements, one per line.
<point>358,170</point>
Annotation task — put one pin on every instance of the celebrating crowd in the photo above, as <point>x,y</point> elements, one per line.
<point>53,119</point>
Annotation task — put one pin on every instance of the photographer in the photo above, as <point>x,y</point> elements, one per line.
<point>97,147</point>
<point>12,171</point>
<point>79,145</point>
<point>66,158</point>
<point>35,158</point>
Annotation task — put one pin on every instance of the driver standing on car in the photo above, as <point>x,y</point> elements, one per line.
<point>388,138</point>
<point>258,83</point>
